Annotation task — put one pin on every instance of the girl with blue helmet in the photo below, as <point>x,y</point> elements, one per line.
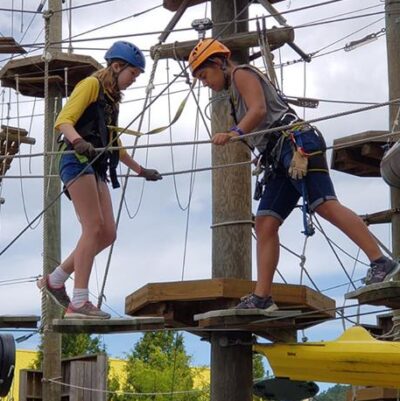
<point>84,123</point>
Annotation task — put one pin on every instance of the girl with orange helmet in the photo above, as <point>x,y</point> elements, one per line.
<point>295,162</point>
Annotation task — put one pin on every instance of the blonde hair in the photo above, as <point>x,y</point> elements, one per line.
<point>109,79</point>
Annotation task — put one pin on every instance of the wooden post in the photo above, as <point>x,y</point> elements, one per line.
<point>51,219</point>
<point>392,8</point>
<point>231,366</point>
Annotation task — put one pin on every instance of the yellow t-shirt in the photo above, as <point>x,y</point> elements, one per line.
<point>84,94</point>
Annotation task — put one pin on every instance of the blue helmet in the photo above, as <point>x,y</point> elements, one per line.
<point>128,52</point>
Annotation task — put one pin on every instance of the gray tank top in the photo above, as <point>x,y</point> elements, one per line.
<point>276,108</point>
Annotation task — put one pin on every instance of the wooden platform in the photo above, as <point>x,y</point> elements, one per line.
<point>19,322</point>
<point>30,71</point>
<point>381,294</point>
<point>10,141</point>
<point>276,326</point>
<point>10,46</point>
<point>104,326</point>
<point>179,302</point>
<point>359,154</point>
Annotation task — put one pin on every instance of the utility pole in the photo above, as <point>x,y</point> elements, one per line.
<point>51,218</point>
<point>231,366</point>
<point>392,8</point>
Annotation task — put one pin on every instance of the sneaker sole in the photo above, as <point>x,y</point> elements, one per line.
<point>76,315</point>
<point>390,275</point>
<point>47,292</point>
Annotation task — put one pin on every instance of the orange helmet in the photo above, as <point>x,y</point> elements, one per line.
<point>204,50</point>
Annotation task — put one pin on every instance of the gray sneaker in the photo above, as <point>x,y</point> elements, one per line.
<point>383,271</point>
<point>59,295</point>
<point>253,301</point>
<point>86,311</point>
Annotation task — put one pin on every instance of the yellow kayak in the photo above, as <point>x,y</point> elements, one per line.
<point>353,358</point>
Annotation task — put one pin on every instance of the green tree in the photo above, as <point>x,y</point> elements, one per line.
<point>158,364</point>
<point>258,370</point>
<point>73,345</point>
<point>335,393</point>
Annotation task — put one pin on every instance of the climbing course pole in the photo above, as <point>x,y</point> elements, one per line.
<point>51,218</point>
<point>231,366</point>
<point>392,8</point>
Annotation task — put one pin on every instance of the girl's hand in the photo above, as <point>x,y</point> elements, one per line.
<point>222,138</point>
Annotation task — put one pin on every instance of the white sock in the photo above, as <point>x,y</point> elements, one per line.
<point>58,277</point>
<point>80,296</point>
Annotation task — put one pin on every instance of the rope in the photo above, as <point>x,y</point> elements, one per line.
<point>231,223</point>
<point>46,58</point>
<point>334,252</point>
<point>270,130</point>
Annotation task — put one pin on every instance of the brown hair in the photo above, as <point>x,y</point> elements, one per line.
<point>109,79</point>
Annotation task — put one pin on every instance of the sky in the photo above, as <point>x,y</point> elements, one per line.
<point>151,237</point>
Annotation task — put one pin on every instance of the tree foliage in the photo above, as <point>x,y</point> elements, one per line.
<point>335,393</point>
<point>73,345</point>
<point>157,366</point>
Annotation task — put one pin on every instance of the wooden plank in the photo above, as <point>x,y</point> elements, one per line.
<point>40,80</point>
<point>102,326</point>
<point>15,134</point>
<point>360,138</point>
<point>246,320</point>
<point>13,130</point>
<point>8,45</point>
<point>100,377</point>
<point>21,321</point>
<point>277,37</point>
<point>382,217</point>
<point>386,293</point>
<point>372,150</point>
<point>372,394</point>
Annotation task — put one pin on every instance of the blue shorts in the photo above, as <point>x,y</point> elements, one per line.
<point>70,167</point>
<point>282,193</point>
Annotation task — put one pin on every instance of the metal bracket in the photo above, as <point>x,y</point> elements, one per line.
<point>201,26</point>
<point>226,341</point>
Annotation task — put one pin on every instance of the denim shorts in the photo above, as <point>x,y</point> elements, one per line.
<point>70,167</point>
<point>282,193</point>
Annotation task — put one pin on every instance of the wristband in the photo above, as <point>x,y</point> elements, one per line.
<point>238,130</point>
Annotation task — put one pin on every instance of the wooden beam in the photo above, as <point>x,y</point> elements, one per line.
<point>372,394</point>
<point>383,217</point>
<point>277,37</point>
<point>173,5</point>
<point>101,326</point>
<point>386,294</point>
<point>22,321</point>
<point>16,134</point>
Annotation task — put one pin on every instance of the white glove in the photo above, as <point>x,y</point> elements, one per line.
<point>298,166</point>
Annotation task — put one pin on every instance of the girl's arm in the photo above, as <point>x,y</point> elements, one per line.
<point>251,91</point>
<point>69,131</point>
<point>129,162</point>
